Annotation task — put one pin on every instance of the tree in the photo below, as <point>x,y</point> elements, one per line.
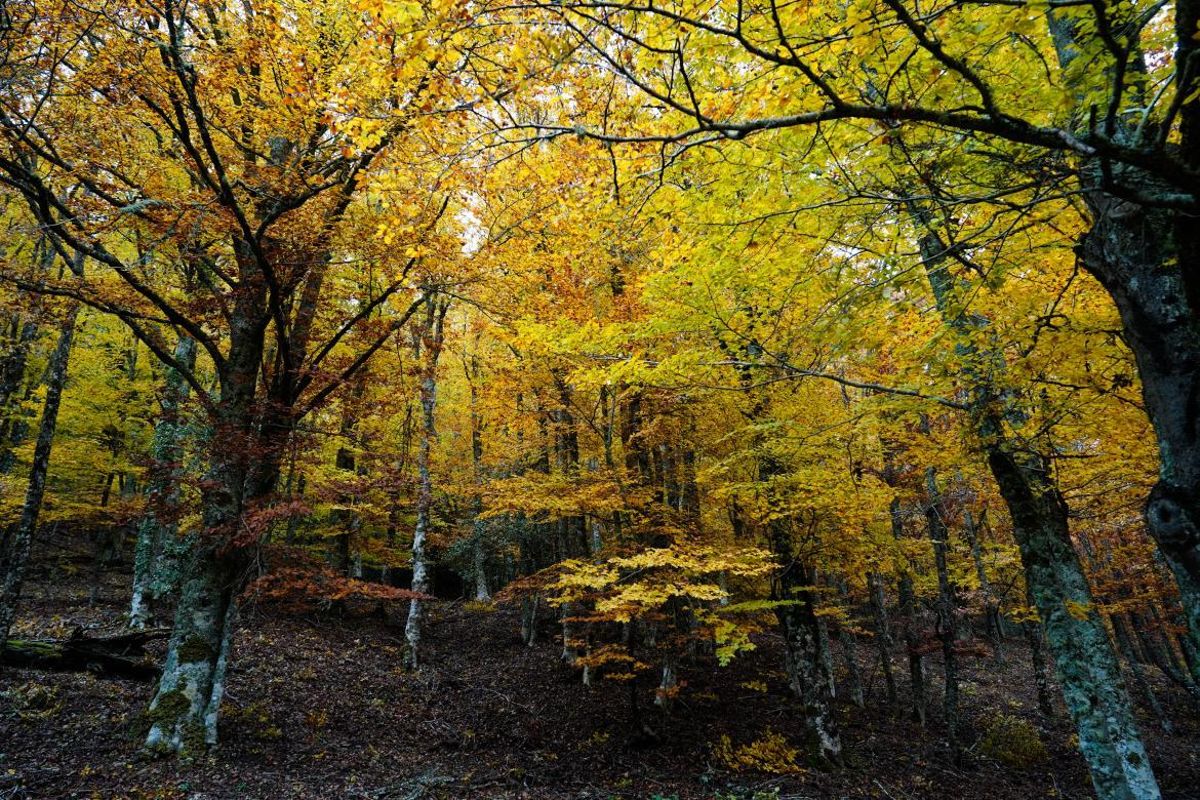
<point>219,206</point>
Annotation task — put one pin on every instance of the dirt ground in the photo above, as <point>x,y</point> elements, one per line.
<point>319,707</point>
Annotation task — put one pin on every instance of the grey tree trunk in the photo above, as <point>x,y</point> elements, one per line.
<point>479,525</point>
<point>805,648</point>
<point>428,346</point>
<point>12,378</point>
<point>160,551</point>
<point>1087,666</point>
<point>849,643</point>
<point>17,542</point>
<point>1146,258</point>
<point>1124,645</point>
<point>992,609</point>
<point>183,714</point>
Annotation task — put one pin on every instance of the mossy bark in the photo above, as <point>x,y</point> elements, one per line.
<point>1088,671</point>
<point>160,551</point>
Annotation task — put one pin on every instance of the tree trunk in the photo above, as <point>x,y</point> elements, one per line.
<point>427,344</point>
<point>806,661</point>
<point>947,614</point>
<point>883,634</point>
<point>1034,637</point>
<point>160,550</point>
<point>479,525</point>
<point>111,657</point>
<point>1087,667</point>
<point>17,542</point>
<point>1146,258</point>
<point>12,376</point>
<point>183,713</point>
<point>850,656</point>
<point>992,609</point>
<point>1121,634</point>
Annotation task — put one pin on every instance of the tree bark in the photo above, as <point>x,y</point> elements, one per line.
<point>947,614</point>
<point>1087,666</point>
<point>883,634</point>
<point>17,542</point>
<point>110,657</point>
<point>160,550</point>
<point>184,710</point>
<point>428,346</point>
<point>1146,259</point>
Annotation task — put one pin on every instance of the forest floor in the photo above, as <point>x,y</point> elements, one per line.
<point>319,707</point>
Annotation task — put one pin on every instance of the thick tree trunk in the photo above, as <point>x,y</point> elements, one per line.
<point>17,542</point>
<point>160,550</point>
<point>183,713</point>
<point>1088,672</point>
<point>1125,250</point>
<point>1146,258</point>
<point>806,661</point>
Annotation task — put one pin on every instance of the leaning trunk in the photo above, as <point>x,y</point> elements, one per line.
<point>1088,671</point>
<point>17,542</point>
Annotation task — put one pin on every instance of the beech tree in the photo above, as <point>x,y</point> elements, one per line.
<point>217,202</point>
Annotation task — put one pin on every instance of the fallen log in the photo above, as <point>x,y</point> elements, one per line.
<point>122,656</point>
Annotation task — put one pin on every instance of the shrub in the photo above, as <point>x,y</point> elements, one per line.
<point>770,753</point>
<point>1013,742</point>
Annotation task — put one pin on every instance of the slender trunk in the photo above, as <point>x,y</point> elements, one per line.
<point>992,607</point>
<point>1034,637</point>
<point>529,614</point>
<point>883,634</point>
<point>479,525</point>
<point>908,613</point>
<point>1121,634</point>
<point>947,615</point>
<point>850,652</point>
<point>17,542</point>
<point>427,344</point>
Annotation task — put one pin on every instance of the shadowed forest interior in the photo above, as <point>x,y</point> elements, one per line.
<point>723,399</point>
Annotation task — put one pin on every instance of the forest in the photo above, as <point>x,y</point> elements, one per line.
<point>613,399</point>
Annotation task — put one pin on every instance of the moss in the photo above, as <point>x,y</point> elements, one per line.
<point>193,739</point>
<point>193,650</point>
<point>168,707</point>
<point>1013,742</point>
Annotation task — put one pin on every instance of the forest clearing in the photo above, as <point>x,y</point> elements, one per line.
<point>723,399</point>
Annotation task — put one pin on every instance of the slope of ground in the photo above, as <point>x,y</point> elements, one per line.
<point>318,707</point>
